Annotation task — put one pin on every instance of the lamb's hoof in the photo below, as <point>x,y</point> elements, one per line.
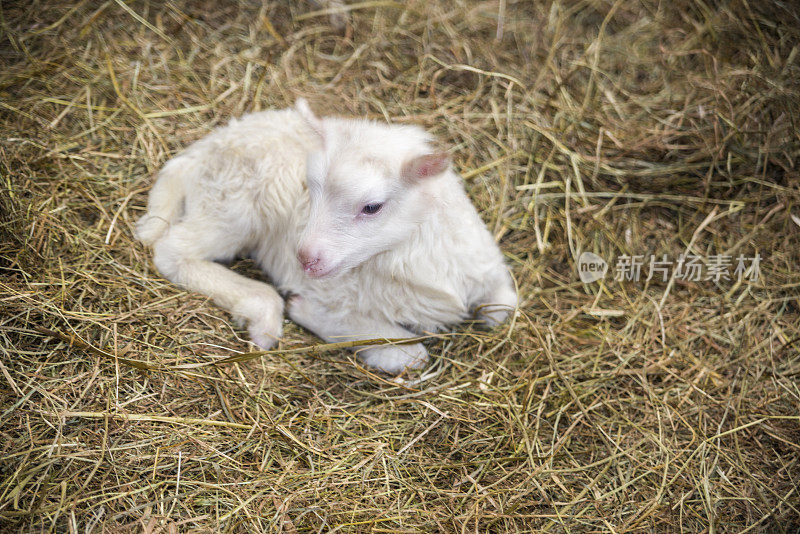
<point>394,359</point>
<point>264,333</point>
<point>490,316</point>
<point>263,315</point>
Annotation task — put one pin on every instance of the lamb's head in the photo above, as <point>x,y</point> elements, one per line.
<point>370,187</point>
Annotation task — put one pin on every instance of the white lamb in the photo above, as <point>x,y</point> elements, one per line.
<point>364,226</point>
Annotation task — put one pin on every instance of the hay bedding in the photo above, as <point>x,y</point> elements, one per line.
<point>620,128</point>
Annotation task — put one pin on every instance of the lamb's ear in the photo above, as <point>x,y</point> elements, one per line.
<point>425,166</point>
<point>302,107</point>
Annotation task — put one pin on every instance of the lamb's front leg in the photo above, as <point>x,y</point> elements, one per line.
<point>335,326</point>
<point>184,255</point>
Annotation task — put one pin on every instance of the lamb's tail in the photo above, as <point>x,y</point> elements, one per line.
<point>165,204</point>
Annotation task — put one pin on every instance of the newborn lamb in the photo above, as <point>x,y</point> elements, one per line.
<point>364,226</point>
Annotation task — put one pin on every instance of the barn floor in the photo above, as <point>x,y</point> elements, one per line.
<point>643,132</point>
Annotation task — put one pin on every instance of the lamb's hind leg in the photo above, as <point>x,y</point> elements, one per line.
<point>499,301</point>
<point>335,326</point>
<point>185,255</point>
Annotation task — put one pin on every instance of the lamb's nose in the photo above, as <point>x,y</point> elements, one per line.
<point>309,265</point>
<point>307,260</point>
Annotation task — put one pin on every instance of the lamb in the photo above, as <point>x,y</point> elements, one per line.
<point>363,226</point>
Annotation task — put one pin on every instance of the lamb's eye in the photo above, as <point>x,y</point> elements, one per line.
<point>371,209</point>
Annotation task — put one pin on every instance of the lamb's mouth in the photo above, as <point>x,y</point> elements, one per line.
<point>320,273</point>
